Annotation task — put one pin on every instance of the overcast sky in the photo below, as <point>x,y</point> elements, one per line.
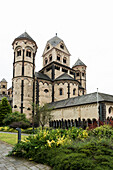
<point>85,26</point>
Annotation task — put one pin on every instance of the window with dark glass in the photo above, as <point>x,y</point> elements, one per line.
<point>64,60</point>
<point>4,86</point>
<point>83,74</point>
<point>46,90</point>
<point>50,58</point>
<point>28,108</point>
<point>77,74</point>
<point>19,53</point>
<point>58,58</point>
<point>60,91</point>
<point>48,47</point>
<point>8,93</point>
<point>74,91</point>
<point>3,92</point>
<point>62,46</point>
<point>46,61</point>
<point>28,53</point>
<point>15,106</point>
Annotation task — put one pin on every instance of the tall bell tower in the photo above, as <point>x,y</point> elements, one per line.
<point>23,81</point>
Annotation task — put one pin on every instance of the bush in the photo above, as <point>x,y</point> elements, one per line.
<point>21,124</point>
<point>15,117</point>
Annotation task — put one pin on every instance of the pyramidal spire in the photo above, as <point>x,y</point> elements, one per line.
<point>79,63</point>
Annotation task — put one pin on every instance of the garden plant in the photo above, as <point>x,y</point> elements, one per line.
<point>69,149</point>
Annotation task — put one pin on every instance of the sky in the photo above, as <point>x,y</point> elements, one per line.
<point>85,26</point>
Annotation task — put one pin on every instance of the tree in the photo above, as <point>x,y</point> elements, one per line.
<point>43,114</point>
<point>5,108</point>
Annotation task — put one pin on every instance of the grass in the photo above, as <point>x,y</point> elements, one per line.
<point>10,138</point>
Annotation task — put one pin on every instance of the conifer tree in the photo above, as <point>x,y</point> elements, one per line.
<point>5,108</point>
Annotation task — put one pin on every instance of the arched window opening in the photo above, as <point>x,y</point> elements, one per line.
<point>15,106</point>
<point>83,74</point>
<point>48,47</point>
<point>77,74</point>
<point>28,53</point>
<point>74,90</point>
<point>109,110</point>
<point>50,58</point>
<point>46,61</point>
<point>46,90</point>
<point>62,46</point>
<point>58,58</point>
<point>4,86</point>
<point>28,108</point>
<point>60,91</point>
<point>19,53</point>
<point>64,60</point>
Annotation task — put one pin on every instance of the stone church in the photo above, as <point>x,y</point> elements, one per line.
<point>56,83</point>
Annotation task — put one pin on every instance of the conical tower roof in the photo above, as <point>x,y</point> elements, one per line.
<point>26,36</point>
<point>79,63</point>
<point>3,80</point>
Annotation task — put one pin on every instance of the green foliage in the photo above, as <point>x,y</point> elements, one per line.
<point>15,117</point>
<point>102,131</point>
<point>5,108</point>
<point>69,149</point>
<point>21,124</point>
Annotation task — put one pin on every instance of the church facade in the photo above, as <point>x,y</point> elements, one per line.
<point>54,82</point>
<point>63,87</point>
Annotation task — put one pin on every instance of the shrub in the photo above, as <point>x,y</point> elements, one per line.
<point>21,124</point>
<point>15,117</point>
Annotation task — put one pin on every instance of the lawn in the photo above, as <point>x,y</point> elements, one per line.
<point>10,138</point>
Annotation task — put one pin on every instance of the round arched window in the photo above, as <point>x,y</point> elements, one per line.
<point>109,110</point>
<point>60,91</point>
<point>46,90</point>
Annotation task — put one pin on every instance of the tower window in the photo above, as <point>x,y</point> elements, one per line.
<point>48,47</point>
<point>83,74</point>
<point>19,53</point>
<point>74,90</point>
<point>46,61</point>
<point>62,46</point>
<point>60,91</point>
<point>77,74</point>
<point>64,60</point>
<point>4,86</point>
<point>28,53</point>
<point>3,92</point>
<point>28,108</point>
<point>58,58</point>
<point>50,58</point>
<point>15,106</point>
<point>46,90</point>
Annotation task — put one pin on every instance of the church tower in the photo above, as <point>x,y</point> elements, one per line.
<point>80,69</point>
<point>23,81</point>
